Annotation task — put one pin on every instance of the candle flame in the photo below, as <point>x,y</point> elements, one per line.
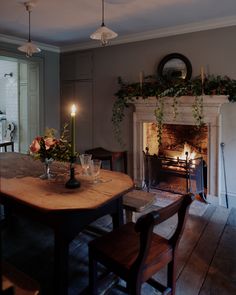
<point>73,110</point>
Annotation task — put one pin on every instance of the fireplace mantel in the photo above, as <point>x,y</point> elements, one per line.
<point>144,112</point>
<point>144,109</point>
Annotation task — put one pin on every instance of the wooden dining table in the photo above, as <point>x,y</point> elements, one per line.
<point>66,211</point>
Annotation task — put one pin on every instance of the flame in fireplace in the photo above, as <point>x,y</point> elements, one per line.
<point>187,151</point>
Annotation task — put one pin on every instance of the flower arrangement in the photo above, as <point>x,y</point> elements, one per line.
<point>49,147</point>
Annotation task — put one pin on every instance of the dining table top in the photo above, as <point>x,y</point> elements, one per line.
<point>20,181</point>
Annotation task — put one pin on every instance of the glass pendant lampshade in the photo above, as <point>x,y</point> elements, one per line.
<point>29,48</point>
<point>103,33</point>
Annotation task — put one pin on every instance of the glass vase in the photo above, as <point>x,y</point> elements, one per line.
<point>47,173</point>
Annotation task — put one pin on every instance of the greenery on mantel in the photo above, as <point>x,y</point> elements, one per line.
<point>151,86</point>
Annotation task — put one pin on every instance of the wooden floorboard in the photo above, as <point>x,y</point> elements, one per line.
<point>232,218</point>
<point>222,272</point>
<point>193,275</point>
<point>206,258</point>
<point>195,228</point>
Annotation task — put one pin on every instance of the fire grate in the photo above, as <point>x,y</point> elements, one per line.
<point>159,168</point>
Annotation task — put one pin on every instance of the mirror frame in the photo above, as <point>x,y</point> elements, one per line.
<point>168,58</point>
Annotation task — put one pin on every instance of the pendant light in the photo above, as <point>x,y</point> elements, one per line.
<point>103,33</point>
<point>29,48</point>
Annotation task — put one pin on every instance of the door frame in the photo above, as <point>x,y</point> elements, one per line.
<point>15,57</point>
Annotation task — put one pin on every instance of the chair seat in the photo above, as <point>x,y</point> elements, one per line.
<point>114,253</point>
<point>23,285</point>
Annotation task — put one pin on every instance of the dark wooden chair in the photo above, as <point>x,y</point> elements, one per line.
<point>112,157</point>
<point>135,253</point>
<point>8,138</point>
<point>13,281</point>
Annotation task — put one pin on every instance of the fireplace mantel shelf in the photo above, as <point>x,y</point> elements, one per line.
<point>144,109</point>
<point>208,100</point>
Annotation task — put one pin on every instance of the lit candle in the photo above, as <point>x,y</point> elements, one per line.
<point>73,112</point>
<point>202,75</point>
<point>141,79</point>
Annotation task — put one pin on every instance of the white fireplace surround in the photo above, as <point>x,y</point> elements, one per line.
<point>144,112</point>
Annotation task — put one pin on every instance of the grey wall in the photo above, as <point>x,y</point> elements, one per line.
<point>213,49</point>
<point>51,89</point>
<point>50,93</point>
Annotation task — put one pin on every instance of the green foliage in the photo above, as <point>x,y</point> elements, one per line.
<point>153,87</point>
<point>159,114</point>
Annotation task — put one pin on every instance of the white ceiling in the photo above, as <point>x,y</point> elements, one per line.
<point>69,23</point>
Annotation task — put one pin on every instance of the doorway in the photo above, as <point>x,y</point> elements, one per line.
<point>19,100</point>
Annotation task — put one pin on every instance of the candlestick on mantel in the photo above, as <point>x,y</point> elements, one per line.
<point>202,79</point>
<point>202,75</point>
<point>73,112</point>
<point>141,79</point>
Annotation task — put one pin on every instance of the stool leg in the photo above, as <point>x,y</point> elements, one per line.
<point>129,215</point>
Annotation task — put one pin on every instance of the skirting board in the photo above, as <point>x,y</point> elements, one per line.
<point>231,199</point>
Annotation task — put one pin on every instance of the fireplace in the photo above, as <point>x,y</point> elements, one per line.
<point>181,165</point>
<point>210,138</point>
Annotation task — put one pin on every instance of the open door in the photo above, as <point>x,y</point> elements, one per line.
<point>28,104</point>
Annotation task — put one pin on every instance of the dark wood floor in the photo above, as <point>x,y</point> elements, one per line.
<point>206,260</point>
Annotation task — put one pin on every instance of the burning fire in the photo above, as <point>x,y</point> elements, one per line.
<point>187,151</point>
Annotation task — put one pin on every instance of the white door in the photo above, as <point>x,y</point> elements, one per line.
<point>28,104</point>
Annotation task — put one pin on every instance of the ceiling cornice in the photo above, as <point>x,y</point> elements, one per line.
<point>20,41</point>
<point>154,34</point>
<point>159,33</point>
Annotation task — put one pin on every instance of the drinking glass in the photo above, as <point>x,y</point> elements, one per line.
<point>47,165</point>
<point>94,169</point>
<point>85,161</point>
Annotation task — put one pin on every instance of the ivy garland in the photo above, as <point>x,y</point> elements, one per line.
<point>213,85</point>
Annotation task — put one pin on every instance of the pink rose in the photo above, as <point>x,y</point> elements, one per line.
<point>49,142</point>
<point>35,146</point>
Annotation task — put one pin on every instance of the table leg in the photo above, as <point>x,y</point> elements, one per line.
<point>61,255</point>
<point>117,217</point>
<point>0,257</point>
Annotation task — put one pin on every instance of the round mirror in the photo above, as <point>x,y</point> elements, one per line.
<point>175,66</point>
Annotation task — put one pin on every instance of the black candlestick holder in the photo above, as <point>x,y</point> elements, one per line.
<point>72,182</point>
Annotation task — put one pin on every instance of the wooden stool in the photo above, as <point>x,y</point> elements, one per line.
<point>137,201</point>
<point>5,144</point>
